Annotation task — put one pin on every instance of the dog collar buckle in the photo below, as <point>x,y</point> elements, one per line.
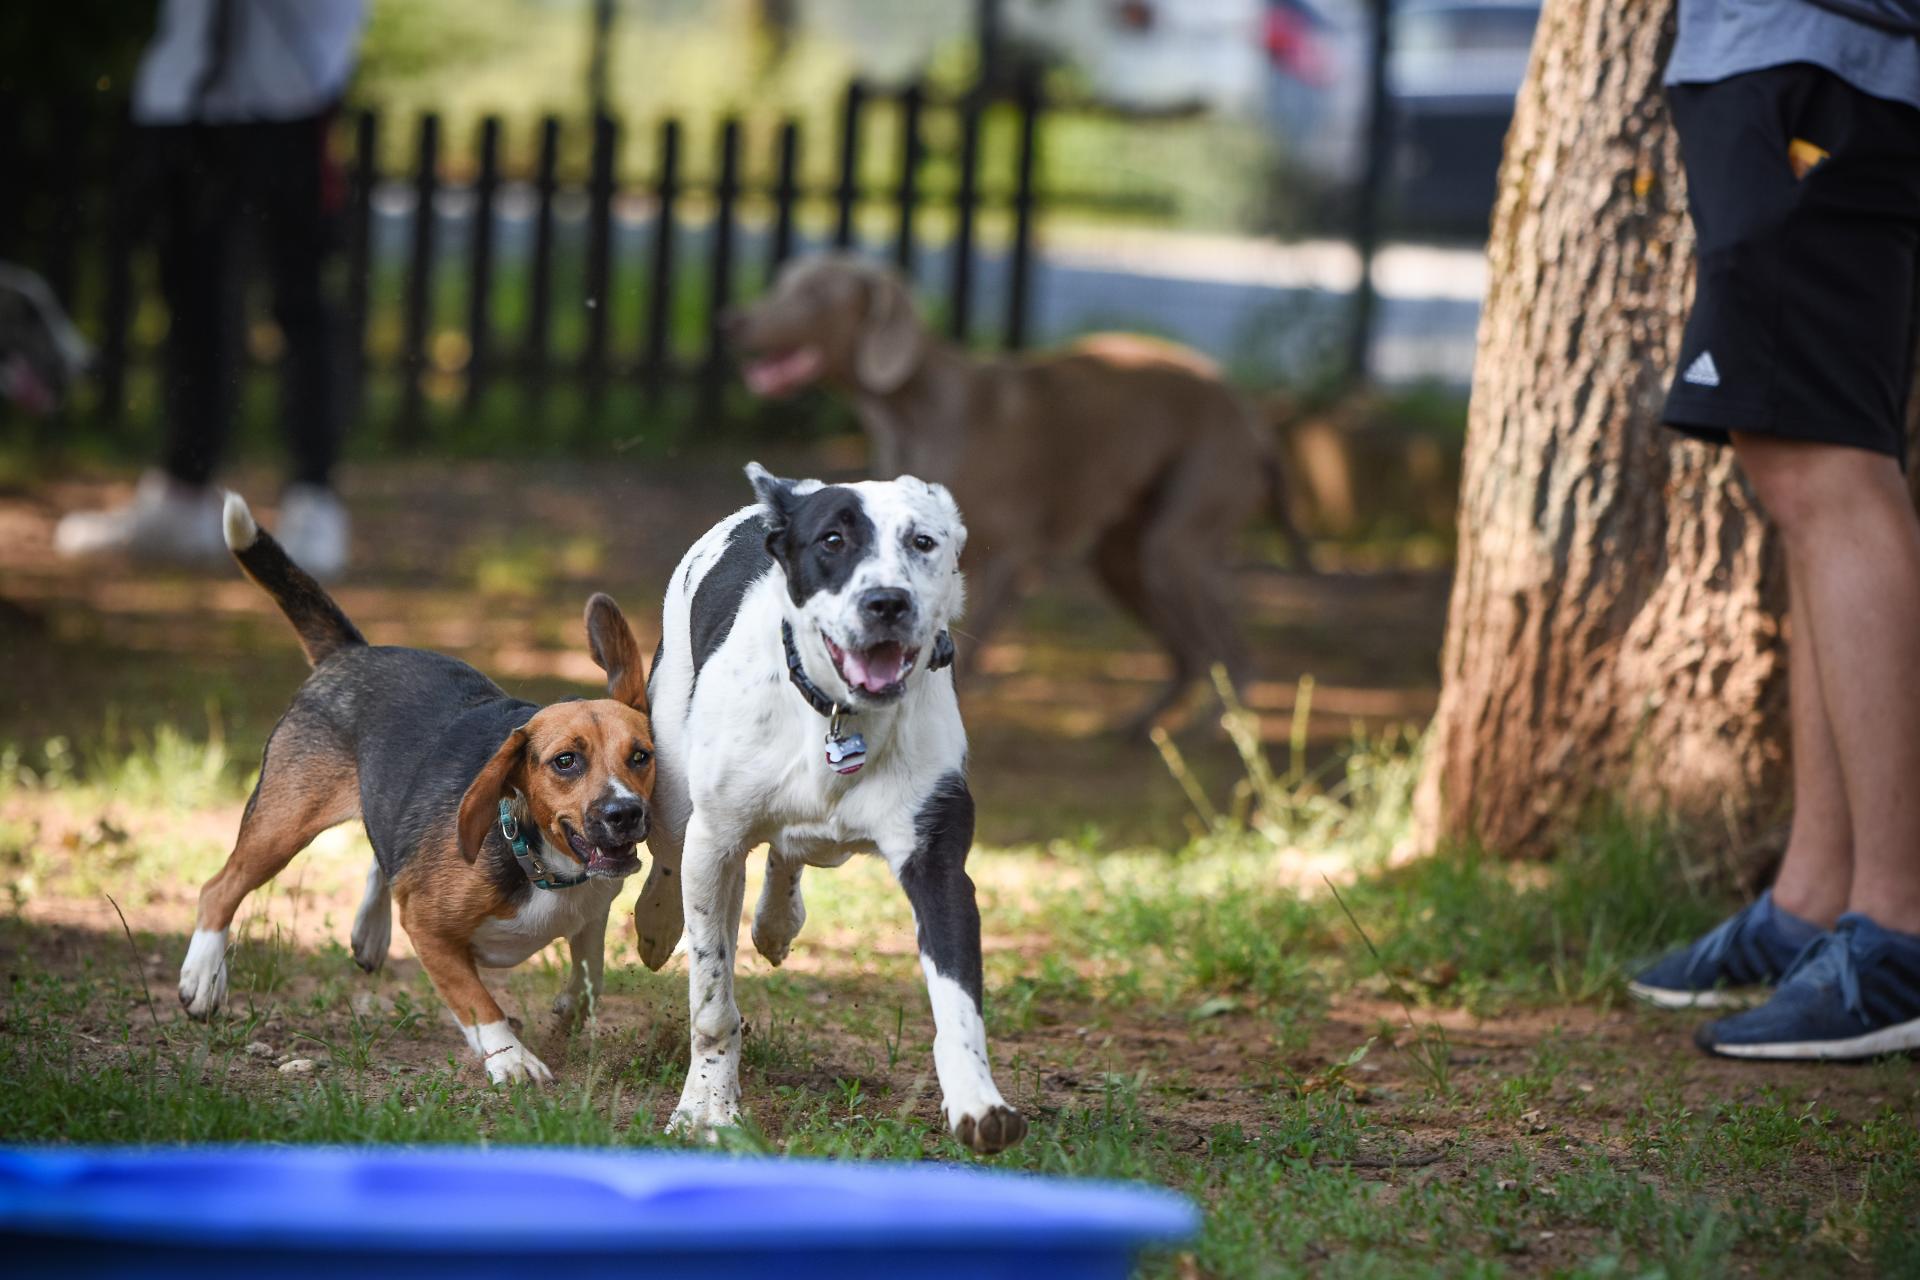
<point>531,864</point>
<point>846,751</point>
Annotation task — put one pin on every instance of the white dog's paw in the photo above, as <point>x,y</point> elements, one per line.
<point>658,922</point>
<point>991,1131</point>
<point>699,1115</point>
<point>774,938</point>
<point>203,974</point>
<point>507,1059</point>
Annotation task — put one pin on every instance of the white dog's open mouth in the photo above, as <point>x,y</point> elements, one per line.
<point>601,863</point>
<point>784,373</point>
<point>879,671</point>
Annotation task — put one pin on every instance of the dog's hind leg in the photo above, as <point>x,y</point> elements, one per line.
<point>932,869</point>
<point>1117,561</point>
<point>782,912</point>
<point>587,950</point>
<point>373,922</point>
<point>713,879</point>
<point>306,785</point>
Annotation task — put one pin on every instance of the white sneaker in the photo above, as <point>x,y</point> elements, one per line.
<point>166,520</point>
<point>314,530</point>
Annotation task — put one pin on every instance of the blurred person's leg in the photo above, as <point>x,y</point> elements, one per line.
<point>1853,551</point>
<point>174,513</point>
<point>1803,194</point>
<point>298,197</point>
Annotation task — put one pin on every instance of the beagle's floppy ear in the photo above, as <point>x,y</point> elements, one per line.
<point>891,340</point>
<point>480,807</point>
<point>616,652</point>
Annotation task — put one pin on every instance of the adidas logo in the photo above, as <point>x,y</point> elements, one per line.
<point>1702,373</point>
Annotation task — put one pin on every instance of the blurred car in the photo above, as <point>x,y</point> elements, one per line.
<point>1455,69</point>
<point>1452,75</point>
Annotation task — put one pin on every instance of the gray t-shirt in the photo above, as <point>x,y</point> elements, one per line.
<point>1721,38</point>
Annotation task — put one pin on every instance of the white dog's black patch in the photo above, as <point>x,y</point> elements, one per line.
<point>819,538</point>
<point>717,601</point>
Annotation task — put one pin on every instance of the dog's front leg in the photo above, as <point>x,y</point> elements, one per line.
<point>658,914</point>
<point>782,911</point>
<point>713,880</point>
<point>933,871</point>
<point>588,951</point>
<point>449,963</point>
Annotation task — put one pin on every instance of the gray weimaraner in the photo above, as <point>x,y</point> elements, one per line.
<point>1127,450</point>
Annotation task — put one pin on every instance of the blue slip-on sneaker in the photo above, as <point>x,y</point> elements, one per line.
<point>1730,967</point>
<point>1855,993</point>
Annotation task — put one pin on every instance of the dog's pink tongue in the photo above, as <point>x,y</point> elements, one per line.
<point>780,375</point>
<point>877,668</point>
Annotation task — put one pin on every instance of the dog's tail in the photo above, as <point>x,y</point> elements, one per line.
<point>322,628</point>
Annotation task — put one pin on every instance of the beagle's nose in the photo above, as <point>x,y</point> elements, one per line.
<point>885,604</point>
<point>619,821</point>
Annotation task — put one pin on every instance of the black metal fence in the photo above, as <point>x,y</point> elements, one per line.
<point>687,263</point>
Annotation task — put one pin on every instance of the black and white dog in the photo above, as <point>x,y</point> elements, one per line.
<point>799,701</point>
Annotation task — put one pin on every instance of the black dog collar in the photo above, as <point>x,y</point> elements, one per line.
<point>846,748</point>
<point>942,657</point>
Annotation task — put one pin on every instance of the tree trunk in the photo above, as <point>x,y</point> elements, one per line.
<point>1614,632</point>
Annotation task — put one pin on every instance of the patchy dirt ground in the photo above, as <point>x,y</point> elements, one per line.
<point>1510,1111</point>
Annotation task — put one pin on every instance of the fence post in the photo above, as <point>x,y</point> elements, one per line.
<point>119,292</point>
<point>1020,283</point>
<point>965,197</point>
<point>848,193</point>
<point>599,284</point>
<point>366,166</point>
<point>420,280</point>
<point>1373,181</point>
<point>713,371</point>
<point>911,102</point>
<point>654,367</point>
<point>480,266</point>
<point>786,192</point>
<point>540,286</point>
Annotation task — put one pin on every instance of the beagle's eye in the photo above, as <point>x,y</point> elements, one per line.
<point>638,760</point>
<point>923,543</point>
<point>833,540</point>
<point>566,762</point>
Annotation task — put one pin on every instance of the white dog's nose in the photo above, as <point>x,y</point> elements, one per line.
<point>885,605</point>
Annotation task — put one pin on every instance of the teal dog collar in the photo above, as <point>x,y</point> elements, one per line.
<point>530,862</point>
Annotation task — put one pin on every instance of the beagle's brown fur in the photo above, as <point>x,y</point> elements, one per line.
<point>424,749</point>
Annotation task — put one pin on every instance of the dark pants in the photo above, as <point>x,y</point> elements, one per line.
<point>227,197</point>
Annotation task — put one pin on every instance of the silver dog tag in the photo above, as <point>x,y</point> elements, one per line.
<point>846,751</point>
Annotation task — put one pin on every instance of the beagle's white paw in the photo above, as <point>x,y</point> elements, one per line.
<point>507,1059</point>
<point>203,974</point>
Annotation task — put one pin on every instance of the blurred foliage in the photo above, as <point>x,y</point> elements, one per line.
<point>73,46</point>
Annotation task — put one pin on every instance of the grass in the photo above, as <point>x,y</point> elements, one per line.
<point>1364,1121</point>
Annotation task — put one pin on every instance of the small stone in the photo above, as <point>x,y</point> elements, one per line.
<point>298,1067</point>
<point>259,1049</point>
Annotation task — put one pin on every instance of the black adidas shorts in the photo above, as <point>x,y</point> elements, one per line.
<point>1805,195</point>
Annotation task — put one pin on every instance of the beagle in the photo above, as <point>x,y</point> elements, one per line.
<point>497,825</point>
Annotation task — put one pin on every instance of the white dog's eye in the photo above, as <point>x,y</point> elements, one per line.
<point>832,540</point>
<point>923,543</point>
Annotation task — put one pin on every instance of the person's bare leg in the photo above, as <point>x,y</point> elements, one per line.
<point>1854,542</point>
<point>1817,871</point>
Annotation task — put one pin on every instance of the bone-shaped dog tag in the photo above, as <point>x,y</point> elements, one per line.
<point>846,753</point>
<point>846,750</point>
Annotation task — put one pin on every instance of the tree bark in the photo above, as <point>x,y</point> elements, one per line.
<point>1614,633</point>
